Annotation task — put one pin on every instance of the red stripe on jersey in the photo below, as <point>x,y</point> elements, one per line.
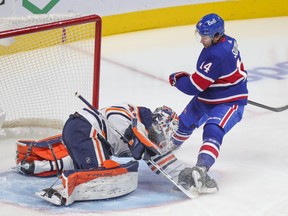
<point>232,79</point>
<point>201,81</point>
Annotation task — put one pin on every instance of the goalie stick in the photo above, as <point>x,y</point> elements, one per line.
<point>165,174</point>
<point>190,193</point>
<point>274,109</point>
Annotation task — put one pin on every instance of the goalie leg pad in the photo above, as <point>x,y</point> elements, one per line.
<point>30,150</point>
<point>167,162</point>
<point>81,185</point>
<point>37,157</point>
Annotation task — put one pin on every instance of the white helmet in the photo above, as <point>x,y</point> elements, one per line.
<point>164,123</point>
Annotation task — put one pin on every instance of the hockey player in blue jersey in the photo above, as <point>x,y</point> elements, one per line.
<point>219,87</point>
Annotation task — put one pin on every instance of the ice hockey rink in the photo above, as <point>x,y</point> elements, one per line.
<point>252,169</point>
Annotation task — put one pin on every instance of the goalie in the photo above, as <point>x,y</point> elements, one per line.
<point>82,153</point>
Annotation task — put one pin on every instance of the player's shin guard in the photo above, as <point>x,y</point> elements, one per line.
<point>101,183</point>
<point>208,153</point>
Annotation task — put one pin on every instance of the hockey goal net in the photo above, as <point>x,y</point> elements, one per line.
<point>44,60</point>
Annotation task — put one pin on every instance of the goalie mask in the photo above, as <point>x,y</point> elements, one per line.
<point>164,124</point>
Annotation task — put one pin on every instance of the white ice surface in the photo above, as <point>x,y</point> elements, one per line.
<point>252,169</point>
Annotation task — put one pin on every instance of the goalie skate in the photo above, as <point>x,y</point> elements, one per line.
<point>51,195</point>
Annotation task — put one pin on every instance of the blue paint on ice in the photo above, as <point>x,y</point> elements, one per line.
<point>153,190</point>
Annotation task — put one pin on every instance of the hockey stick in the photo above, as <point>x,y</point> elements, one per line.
<point>179,186</point>
<point>274,109</point>
<point>190,195</point>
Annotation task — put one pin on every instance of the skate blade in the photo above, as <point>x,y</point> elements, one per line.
<point>205,190</point>
<point>54,199</point>
<point>191,192</point>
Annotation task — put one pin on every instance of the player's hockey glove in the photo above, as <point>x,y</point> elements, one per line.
<point>139,151</point>
<point>176,76</point>
<point>128,135</point>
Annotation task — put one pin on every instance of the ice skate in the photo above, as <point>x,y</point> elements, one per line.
<point>203,182</point>
<point>26,168</point>
<point>51,195</point>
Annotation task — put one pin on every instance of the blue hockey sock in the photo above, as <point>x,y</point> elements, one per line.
<point>209,151</point>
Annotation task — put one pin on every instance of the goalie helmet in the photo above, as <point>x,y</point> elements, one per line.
<point>210,25</point>
<point>164,124</point>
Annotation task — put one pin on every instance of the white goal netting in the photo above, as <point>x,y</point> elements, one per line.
<point>43,63</point>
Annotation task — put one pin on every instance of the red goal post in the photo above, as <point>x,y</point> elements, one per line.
<point>44,60</point>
